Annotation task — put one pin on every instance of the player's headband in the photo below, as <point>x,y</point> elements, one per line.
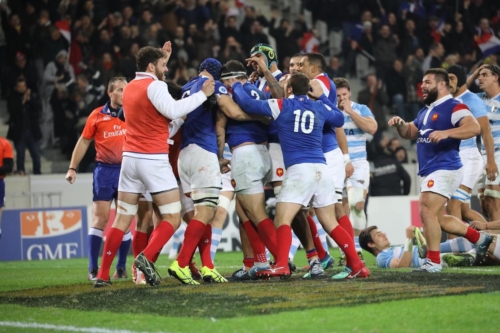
<point>232,75</point>
<point>213,66</point>
<point>267,51</point>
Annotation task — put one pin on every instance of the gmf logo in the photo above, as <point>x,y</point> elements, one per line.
<point>430,183</point>
<point>279,172</point>
<point>50,223</point>
<point>435,117</point>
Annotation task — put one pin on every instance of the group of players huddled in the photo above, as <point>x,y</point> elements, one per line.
<point>225,135</point>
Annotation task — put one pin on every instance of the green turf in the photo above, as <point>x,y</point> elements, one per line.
<point>56,292</point>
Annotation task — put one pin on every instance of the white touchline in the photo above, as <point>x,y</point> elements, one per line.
<point>62,327</point>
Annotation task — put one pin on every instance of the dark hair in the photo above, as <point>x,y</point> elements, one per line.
<point>297,55</point>
<point>111,83</point>
<point>233,67</point>
<point>434,46</point>
<point>174,90</point>
<point>316,59</point>
<point>440,74</point>
<point>342,82</point>
<point>495,70</point>
<point>299,83</point>
<point>365,237</point>
<point>148,55</point>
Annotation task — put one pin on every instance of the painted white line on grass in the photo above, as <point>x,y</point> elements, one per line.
<point>62,327</point>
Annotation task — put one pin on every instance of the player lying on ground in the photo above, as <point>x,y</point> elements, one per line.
<point>454,252</point>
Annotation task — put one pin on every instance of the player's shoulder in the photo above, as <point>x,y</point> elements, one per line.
<point>384,258</point>
<point>220,89</point>
<point>458,106</point>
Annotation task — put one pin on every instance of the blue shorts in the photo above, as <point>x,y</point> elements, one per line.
<point>2,193</point>
<point>105,184</point>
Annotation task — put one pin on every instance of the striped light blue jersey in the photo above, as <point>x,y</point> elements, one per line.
<point>493,110</point>
<point>478,110</point>
<point>227,152</point>
<point>356,138</point>
<point>384,258</point>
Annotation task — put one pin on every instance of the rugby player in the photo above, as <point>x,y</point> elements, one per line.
<point>489,183</point>
<point>459,204</point>
<point>439,129</point>
<point>300,124</point>
<point>455,252</point>
<point>108,131</point>
<point>148,109</point>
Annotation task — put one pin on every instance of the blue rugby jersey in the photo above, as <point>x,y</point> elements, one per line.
<point>329,142</point>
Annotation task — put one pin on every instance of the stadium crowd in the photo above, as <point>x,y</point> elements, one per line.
<point>67,51</point>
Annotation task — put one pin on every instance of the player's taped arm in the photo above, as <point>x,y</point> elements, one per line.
<point>220,130</point>
<point>467,128</point>
<point>174,127</point>
<point>80,149</point>
<point>170,108</point>
<point>277,91</point>
<point>232,110</point>
<point>408,131</point>
<point>249,104</point>
<point>7,166</point>
<point>489,144</point>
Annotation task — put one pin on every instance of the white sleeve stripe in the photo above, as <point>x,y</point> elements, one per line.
<point>273,104</point>
<point>325,89</point>
<point>458,115</point>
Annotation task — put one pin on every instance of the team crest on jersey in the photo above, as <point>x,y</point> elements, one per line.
<point>435,117</point>
<point>430,183</point>
<point>223,90</point>
<point>279,172</point>
<point>233,183</point>
<point>494,109</point>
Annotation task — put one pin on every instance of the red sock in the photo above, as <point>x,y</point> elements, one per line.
<point>258,248</point>
<point>472,235</point>
<point>316,239</point>
<point>284,234</point>
<point>346,243</point>
<point>311,254</point>
<point>248,262</point>
<point>347,225</point>
<point>267,233</point>
<point>434,256</point>
<point>111,246</point>
<point>159,238</point>
<point>204,245</point>
<point>192,236</point>
<point>139,242</point>
<point>155,257</point>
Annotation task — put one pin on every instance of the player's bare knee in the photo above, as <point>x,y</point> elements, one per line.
<point>99,222</point>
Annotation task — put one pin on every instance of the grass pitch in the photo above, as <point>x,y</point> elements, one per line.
<point>57,293</point>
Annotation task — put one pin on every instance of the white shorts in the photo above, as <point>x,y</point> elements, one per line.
<point>187,204</point>
<point>360,176</point>
<point>473,166</point>
<point>250,169</point>
<point>483,180</point>
<point>198,169</point>
<point>146,197</point>
<point>139,175</point>
<point>443,182</point>
<point>336,167</point>
<point>227,186</point>
<point>277,164</point>
<point>305,181</point>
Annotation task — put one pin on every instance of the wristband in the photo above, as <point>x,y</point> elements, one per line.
<point>408,245</point>
<point>72,169</point>
<point>347,159</point>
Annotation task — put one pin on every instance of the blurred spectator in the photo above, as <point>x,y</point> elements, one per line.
<point>410,41</point>
<point>84,30</point>
<point>181,76</point>
<point>146,21</point>
<point>21,68</point>
<point>400,155</point>
<point>375,97</point>
<point>182,51</point>
<point>40,33</point>
<point>232,51</point>
<point>127,63</point>
<point>203,40</point>
<point>54,44</point>
<point>89,95</point>
<point>413,75</point>
<point>230,30</point>
<point>107,68</point>
<point>396,88</point>
<point>255,36</point>
<point>104,44</point>
<point>285,36</point>
<point>24,130</point>
<point>384,51</point>
<point>128,16</point>
<point>388,177</point>
<point>334,69</point>
<point>193,13</point>
<point>248,23</point>
<point>434,59</point>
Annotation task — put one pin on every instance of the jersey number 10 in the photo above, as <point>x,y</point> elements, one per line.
<point>305,122</point>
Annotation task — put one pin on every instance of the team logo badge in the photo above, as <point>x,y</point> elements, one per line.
<point>430,183</point>
<point>223,90</point>
<point>271,54</point>
<point>279,172</point>
<point>233,183</point>
<point>435,117</point>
